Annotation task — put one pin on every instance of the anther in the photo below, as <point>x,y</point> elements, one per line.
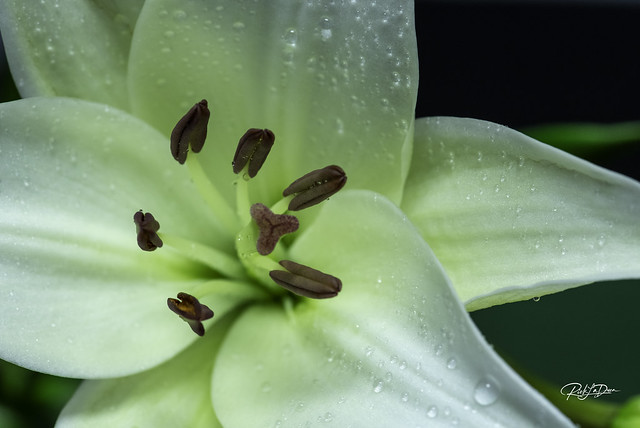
<point>315,187</point>
<point>191,130</point>
<point>272,227</point>
<point>147,228</point>
<point>253,148</point>
<point>191,311</point>
<point>305,281</point>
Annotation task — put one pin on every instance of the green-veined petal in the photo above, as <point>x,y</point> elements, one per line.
<point>394,348</point>
<point>511,218</point>
<point>336,83</point>
<point>175,394</point>
<point>80,298</point>
<point>73,49</point>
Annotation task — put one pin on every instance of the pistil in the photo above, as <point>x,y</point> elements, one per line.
<point>272,227</point>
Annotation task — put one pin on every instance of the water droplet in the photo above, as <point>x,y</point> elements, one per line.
<point>438,349</point>
<point>404,397</point>
<point>452,363</point>
<point>368,351</point>
<point>300,406</point>
<point>486,392</point>
<point>179,14</point>
<point>325,29</point>
<point>290,37</point>
<point>536,299</point>
<point>602,240</point>
<point>327,417</point>
<point>238,26</point>
<point>377,385</point>
<point>432,411</point>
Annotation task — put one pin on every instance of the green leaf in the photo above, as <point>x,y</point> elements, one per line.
<point>174,394</point>
<point>511,218</point>
<point>336,84</point>
<point>394,348</point>
<point>629,415</point>
<point>80,298</point>
<point>73,49</point>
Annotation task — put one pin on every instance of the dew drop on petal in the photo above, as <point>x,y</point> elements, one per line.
<point>432,412</point>
<point>377,386</point>
<point>452,363</point>
<point>327,417</point>
<point>486,392</point>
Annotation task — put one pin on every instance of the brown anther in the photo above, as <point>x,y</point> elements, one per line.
<point>272,227</point>
<point>191,311</point>
<point>253,148</point>
<point>147,228</point>
<point>315,187</point>
<point>305,281</point>
<point>191,130</point>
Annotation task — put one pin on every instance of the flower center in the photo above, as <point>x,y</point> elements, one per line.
<point>260,227</point>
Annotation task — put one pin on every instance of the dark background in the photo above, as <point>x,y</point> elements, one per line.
<point>518,64</point>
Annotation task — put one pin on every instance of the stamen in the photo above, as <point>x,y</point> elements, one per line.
<point>147,228</point>
<point>315,187</point>
<point>305,281</point>
<point>191,130</point>
<point>253,148</point>
<point>191,311</point>
<point>272,227</point>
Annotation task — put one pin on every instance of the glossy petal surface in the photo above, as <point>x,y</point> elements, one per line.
<point>336,83</point>
<point>73,49</point>
<point>511,218</point>
<point>394,348</point>
<point>80,298</point>
<point>173,394</point>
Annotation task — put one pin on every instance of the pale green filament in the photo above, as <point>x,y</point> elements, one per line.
<point>243,204</point>
<point>211,195</point>
<point>282,205</point>
<point>217,260</point>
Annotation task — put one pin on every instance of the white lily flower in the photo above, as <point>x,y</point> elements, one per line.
<point>507,217</point>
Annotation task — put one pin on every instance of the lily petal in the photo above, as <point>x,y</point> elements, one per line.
<point>80,298</point>
<point>336,83</point>
<point>73,50</point>
<point>395,348</point>
<point>511,218</point>
<point>174,394</point>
